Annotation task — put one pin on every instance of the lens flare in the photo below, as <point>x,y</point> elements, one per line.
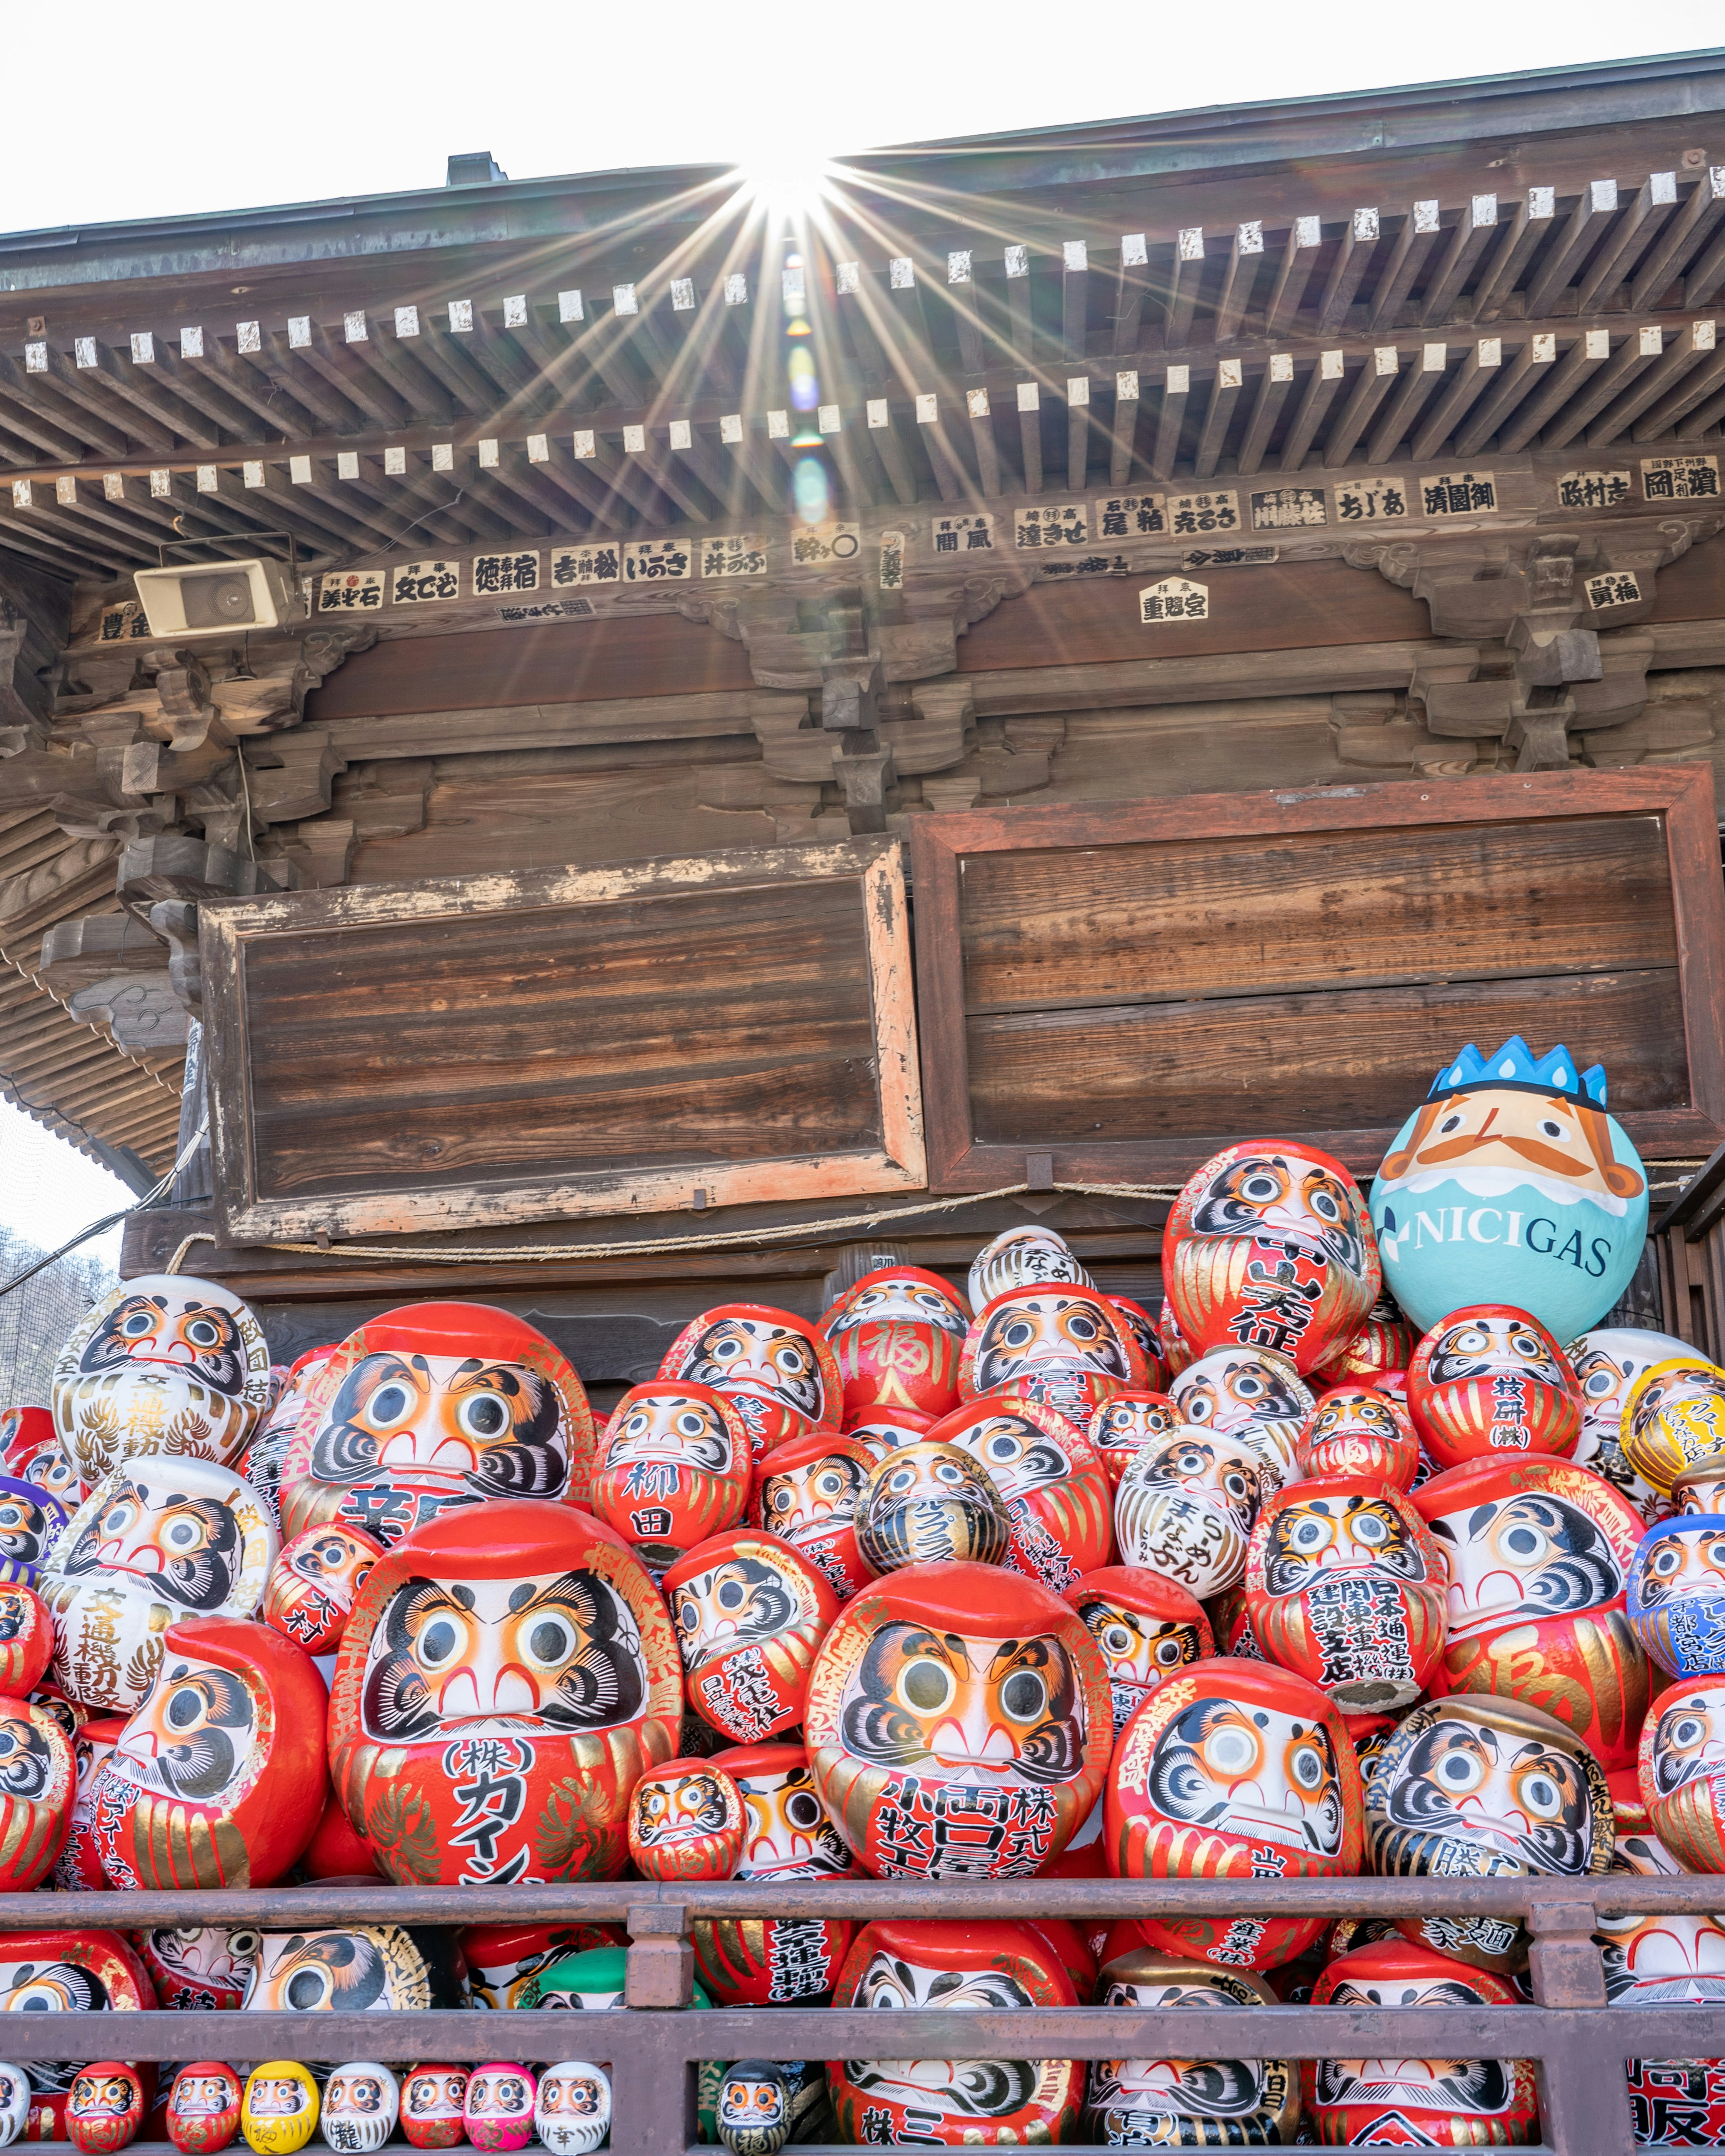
<point>811,490</point>
<point>805,387</point>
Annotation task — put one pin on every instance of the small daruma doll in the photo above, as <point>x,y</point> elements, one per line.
<point>203,2107</point>
<point>266,1456</point>
<point>673,1470</point>
<point>572,2108</point>
<point>808,1496</point>
<point>164,1364</point>
<point>1146,1627</point>
<point>17,2104</point>
<point>998,1969</point>
<point>1354,1430</point>
<point>1127,1424</point>
<point>896,1335</point>
<point>1477,1788</point>
<point>754,2110</point>
<point>1186,1509</point>
<point>750,1611</point>
<point>219,1778</point>
<point>775,1368</point>
<point>1676,1594</point>
<point>157,1541</point>
<point>1492,1379</point>
<point>432,2099</point>
<point>1416,2102</point>
<point>431,1408</point>
<point>1539,1552</point>
<point>1345,1586</point>
<point>362,2102</point>
<point>931,1504</point>
<point>1253,1395</point>
<point>1380,1347</point>
<point>26,1640</point>
<point>38,1782</point>
<point>959,1724</point>
<point>522,1639</point>
<point>1233,1770</point>
<point>1056,1493</point>
<point>1674,1421</point>
<point>1607,1363</point>
<point>105,2107</point>
<point>1268,1246</point>
<point>279,2112</point>
<point>685,1821</point>
<point>1176,2103</point>
<point>315,1583</point>
<point>30,1518</point>
<point>1681,1769</point>
<point>498,2110</point>
<point>1066,1345</point>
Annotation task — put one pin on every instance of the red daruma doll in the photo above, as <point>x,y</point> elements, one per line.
<point>1061,1344</point>
<point>1269,1245</point>
<point>685,1821</point>
<point>808,1495</point>
<point>1234,1770</point>
<point>1492,1379</point>
<point>1354,1430</point>
<point>749,1612</point>
<point>896,1335</point>
<point>1346,1587</point>
<point>1146,1627</point>
<point>1056,1493</point>
<point>1126,1424</point>
<point>775,1366</point>
<point>674,1465</point>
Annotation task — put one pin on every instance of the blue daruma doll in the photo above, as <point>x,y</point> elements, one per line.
<point>1676,1594</point>
<point>1511,1184</point>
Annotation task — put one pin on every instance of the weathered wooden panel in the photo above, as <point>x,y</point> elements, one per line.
<point>1117,990</point>
<point>1693,587</point>
<point>1148,922</point>
<point>511,1047</point>
<point>656,655</point>
<point>1283,606</point>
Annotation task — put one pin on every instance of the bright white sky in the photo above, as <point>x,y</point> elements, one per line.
<point>116,112</point>
<point>49,1190</point>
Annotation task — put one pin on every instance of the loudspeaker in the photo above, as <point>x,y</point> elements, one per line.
<point>215,598</point>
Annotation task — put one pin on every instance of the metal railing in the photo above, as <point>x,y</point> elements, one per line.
<point>1579,2046</point>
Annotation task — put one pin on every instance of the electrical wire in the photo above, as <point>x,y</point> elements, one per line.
<point>152,1196</point>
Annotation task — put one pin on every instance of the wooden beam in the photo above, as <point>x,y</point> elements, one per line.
<point>1685,231</point>
<point>1122,443</point>
<point>1656,198</point>
<point>1299,258</point>
<point>1693,389</point>
<point>1186,276</point>
<point>57,433</point>
<point>884,437</point>
<point>1273,386</point>
<point>1692,347</point>
<point>1359,244</point>
<point>1536,350</point>
<point>1418,234</point>
<point>1019,310</point>
<point>1326,378</point>
<point>1639,351</point>
<point>1029,403</point>
<point>1482,367</point>
<point>1473,232</point>
<point>133,384</point>
<point>1515,247</point>
<point>1375,380</point>
<point>1130,285</point>
<point>1078,425</point>
<point>962,305</point>
<point>1074,296</point>
<point>44,370</point>
<point>982,437</point>
<point>308,385</point>
<point>1591,349</point>
<point>1567,249</point>
<point>1245,259</point>
<point>272,402</point>
<point>1219,414</point>
<point>1416,384</point>
<point>1170,419</point>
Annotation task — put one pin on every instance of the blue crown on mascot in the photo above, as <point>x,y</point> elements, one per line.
<point>1511,1183</point>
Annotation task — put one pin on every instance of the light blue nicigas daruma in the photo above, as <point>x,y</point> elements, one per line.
<point>1512,1185</point>
<point>1676,1594</point>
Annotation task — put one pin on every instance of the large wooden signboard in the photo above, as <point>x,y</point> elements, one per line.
<point>1113,993</point>
<point>484,1049</point>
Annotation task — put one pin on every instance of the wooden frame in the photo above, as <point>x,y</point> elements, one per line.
<point>234,933</point>
<point>1680,795</point>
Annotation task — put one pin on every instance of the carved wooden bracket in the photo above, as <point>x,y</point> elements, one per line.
<point>790,637</point>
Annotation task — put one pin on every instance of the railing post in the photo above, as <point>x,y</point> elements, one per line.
<point>652,2089</point>
<point>1583,2091</point>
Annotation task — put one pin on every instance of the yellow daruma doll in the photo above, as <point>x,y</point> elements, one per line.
<point>279,2108</point>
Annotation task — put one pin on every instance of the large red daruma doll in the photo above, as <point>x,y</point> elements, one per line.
<point>1056,1489</point>
<point>430,1407</point>
<point>508,1674</point>
<point>38,1783</point>
<point>1492,1379</point>
<point>1234,1770</point>
<point>1062,1344</point>
<point>1269,1245</point>
<point>1538,1551</point>
<point>897,1336</point>
<point>958,1724</point>
<point>998,1969</point>
<point>1346,1588</point>
<point>774,1366</point>
<point>673,1468</point>
<point>66,1972</point>
<point>219,1778</point>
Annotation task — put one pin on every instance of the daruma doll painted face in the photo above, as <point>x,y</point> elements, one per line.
<point>1345,1586</point>
<point>572,2110</point>
<point>673,1469</point>
<point>896,1335</point>
<point>959,1724</point>
<point>788,1836</point>
<point>1185,1509</point>
<point>1539,1552</point>
<point>523,1638</point>
<point>1233,1770</point>
<point>1606,1362</point>
<point>1055,1491</point>
<point>1512,1185</point>
<point>279,2111</point>
<point>1022,1257</point>
<point>1474,1787</point>
<point>29,1520</point>
<point>1492,1379</point>
<point>1354,1430</point>
<point>357,1968</point>
<point>26,1641</point>
<point>1146,1627</point>
<point>1173,2103</point>
<point>159,1540</point>
<point>204,1968</point>
<point>1676,1594</point>
<point>1681,1769</point>
<point>930,1503</point>
<point>749,1611</point>
<point>997,1969</point>
<point>431,2098</point>
<point>685,1821</point>
<point>1671,1959</point>
<point>498,2110</point>
<point>219,1778</point>
<point>203,2107</point>
<point>164,1364</point>
<point>1268,1246</point>
<point>1674,1420</point>
<point>808,1496</point>
<point>431,1408</point>
<point>1126,1424</point>
<point>1250,1394</point>
<point>38,1782</point>
<point>1065,1346</point>
<point>105,2107</point>
<point>314,1583</point>
<point>362,2102</point>
<point>775,1366</point>
<point>1416,2102</point>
